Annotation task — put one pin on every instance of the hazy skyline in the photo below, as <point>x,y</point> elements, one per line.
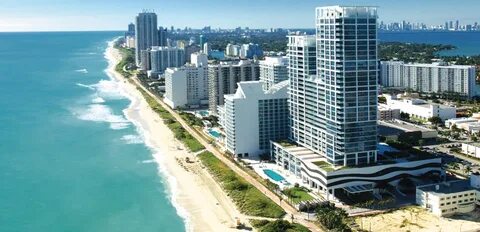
<point>73,15</point>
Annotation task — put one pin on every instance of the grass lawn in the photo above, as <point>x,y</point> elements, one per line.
<point>248,199</point>
<point>324,165</point>
<point>297,195</point>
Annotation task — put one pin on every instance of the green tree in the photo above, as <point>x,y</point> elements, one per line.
<point>435,120</point>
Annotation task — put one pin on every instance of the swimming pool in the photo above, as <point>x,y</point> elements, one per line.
<point>273,175</point>
<point>214,133</point>
<point>203,113</point>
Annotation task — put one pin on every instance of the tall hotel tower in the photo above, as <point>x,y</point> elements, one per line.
<point>337,114</point>
<point>146,33</point>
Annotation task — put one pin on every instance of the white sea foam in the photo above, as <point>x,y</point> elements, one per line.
<point>149,161</point>
<point>84,70</point>
<point>98,100</point>
<point>169,181</point>
<point>101,113</point>
<point>132,139</point>
<point>109,89</point>
<point>85,86</point>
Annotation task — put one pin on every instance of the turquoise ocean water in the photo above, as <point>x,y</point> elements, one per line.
<point>69,159</point>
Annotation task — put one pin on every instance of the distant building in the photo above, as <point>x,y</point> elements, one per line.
<point>420,109</point>
<point>232,50</point>
<point>187,86</point>
<point>449,198</point>
<point>146,34</point>
<point>404,131</point>
<point>224,76</point>
<point>189,50</point>
<point>166,57</point>
<point>206,49</point>
<point>202,40</point>
<point>162,37</point>
<point>145,57</point>
<point>131,29</point>
<point>273,70</point>
<point>130,42</point>
<point>249,51</point>
<point>252,117</point>
<point>471,149</point>
<point>438,78</point>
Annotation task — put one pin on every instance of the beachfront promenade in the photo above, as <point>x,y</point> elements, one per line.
<point>298,217</point>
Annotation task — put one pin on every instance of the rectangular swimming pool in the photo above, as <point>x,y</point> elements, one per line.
<point>273,175</point>
<point>214,133</point>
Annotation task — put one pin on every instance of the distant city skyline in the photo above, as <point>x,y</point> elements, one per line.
<point>75,15</point>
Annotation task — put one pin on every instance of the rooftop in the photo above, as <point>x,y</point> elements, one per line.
<point>447,187</point>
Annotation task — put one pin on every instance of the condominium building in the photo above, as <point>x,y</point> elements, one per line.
<point>232,50</point>
<point>162,37</point>
<point>224,76</point>
<point>189,50</point>
<point>430,78</point>
<point>146,34</point>
<point>273,70</point>
<point>252,117</point>
<point>338,116</point>
<point>186,86</point>
<point>249,51</point>
<point>166,57</point>
<point>333,108</point>
<point>146,62</point>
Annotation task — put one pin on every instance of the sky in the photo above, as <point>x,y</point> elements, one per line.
<point>85,15</point>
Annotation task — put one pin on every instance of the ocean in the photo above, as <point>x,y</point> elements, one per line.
<point>69,159</point>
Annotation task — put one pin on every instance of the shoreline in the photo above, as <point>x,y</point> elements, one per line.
<point>197,198</point>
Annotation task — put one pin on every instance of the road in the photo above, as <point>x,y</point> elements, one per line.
<point>299,217</point>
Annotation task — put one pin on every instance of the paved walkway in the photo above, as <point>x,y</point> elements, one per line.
<point>298,217</point>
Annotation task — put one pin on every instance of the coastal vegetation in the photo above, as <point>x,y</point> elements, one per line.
<point>127,62</point>
<point>333,218</point>
<point>411,52</point>
<point>277,226</point>
<point>179,132</point>
<point>248,199</point>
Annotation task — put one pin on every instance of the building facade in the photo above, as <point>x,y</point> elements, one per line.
<point>146,34</point>
<point>187,86</point>
<point>449,198</point>
<point>166,57</point>
<point>252,117</point>
<point>273,70</point>
<point>224,76</point>
<point>438,78</point>
<point>420,109</point>
<point>162,37</point>
<point>249,51</point>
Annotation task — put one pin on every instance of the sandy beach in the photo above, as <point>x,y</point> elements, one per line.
<point>197,197</point>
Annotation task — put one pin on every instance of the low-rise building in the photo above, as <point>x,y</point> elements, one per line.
<point>471,149</point>
<point>448,198</point>
<point>400,129</point>
<point>420,109</point>
<point>252,117</point>
<point>456,121</point>
<point>387,113</point>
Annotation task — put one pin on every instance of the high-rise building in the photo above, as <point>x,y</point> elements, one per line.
<point>162,37</point>
<point>145,57</point>
<point>333,108</point>
<point>440,78</point>
<point>273,70</point>
<point>206,48</point>
<point>146,34</point>
<point>189,50</point>
<point>131,29</point>
<point>224,76</point>
<point>166,57</point>
<point>232,50</point>
<point>252,117</point>
<point>187,86</point>
<point>249,51</point>
<point>202,40</point>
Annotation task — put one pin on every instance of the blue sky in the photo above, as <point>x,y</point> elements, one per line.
<point>58,15</point>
